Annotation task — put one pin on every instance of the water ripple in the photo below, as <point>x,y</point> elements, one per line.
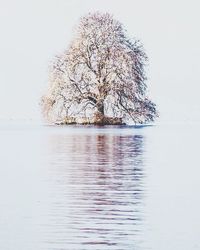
<point>97,189</point>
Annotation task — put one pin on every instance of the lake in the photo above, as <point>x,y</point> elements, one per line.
<point>101,188</point>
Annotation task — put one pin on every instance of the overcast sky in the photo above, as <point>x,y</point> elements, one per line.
<point>33,31</point>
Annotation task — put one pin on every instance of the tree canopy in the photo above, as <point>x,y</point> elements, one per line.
<point>101,74</point>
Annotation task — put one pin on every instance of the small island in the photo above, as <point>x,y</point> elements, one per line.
<point>100,78</point>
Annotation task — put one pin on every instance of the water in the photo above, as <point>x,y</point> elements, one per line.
<point>82,188</point>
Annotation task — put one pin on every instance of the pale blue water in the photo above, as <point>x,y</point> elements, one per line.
<point>82,188</point>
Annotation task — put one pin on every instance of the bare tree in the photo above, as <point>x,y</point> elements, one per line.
<point>99,77</point>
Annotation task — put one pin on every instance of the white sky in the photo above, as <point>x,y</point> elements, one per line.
<point>33,31</point>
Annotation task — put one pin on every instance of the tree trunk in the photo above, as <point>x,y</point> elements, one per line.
<point>100,106</point>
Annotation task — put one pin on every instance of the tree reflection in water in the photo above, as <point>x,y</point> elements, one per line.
<point>97,186</point>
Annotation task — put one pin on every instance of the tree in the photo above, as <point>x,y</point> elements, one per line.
<point>100,78</point>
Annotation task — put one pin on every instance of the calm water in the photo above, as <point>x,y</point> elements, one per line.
<point>82,188</point>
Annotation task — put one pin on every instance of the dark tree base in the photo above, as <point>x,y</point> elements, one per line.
<point>98,119</point>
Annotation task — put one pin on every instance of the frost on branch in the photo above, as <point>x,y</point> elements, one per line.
<point>100,78</point>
